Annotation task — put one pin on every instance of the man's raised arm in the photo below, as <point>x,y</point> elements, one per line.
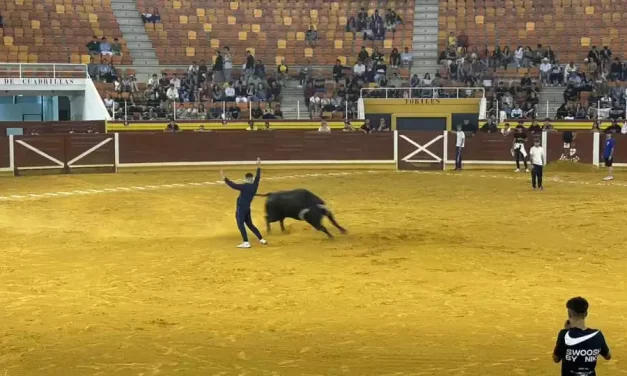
<point>230,183</point>
<point>258,173</point>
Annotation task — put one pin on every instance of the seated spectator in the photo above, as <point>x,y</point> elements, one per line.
<point>172,127</point>
<point>369,31</point>
<point>569,69</point>
<point>268,115</point>
<point>392,20</point>
<point>156,17</point>
<point>324,127</point>
<point>274,95</point>
<point>261,94</point>
<point>545,71</point>
<point>175,81</point>
<point>395,58</point>
<point>491,126</point>
<point>257,112</point>
<point>251,92</point>
<point>116,47</point>
<point>347,126</point>
<point>277,112</point>
<point>426,80</point>
<point>1,22</point>
<point>304,74</point>
<point>547,125</point>
<point>282,73</point>
<point>146,16</point>
<point>516,112</point>
<point>109,103</point>
<point>311,36</point>
<point>616,70</point>
<point>535,128</point>
<point>406,57</point>
<point>383,125</point>
<point>216,93</point>
<point>365,127</point>
<point>229,93</point>
<point>172,93</point>
<point>260,70</point>
<point>351,25</point>
<point>379,31</point>
<point>338,71</point>
<point>94,46</point>
<point>314,105</point>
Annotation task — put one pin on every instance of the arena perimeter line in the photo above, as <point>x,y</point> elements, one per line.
<point>83,192</point>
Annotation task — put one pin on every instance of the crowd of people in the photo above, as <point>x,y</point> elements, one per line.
<point>374,26</point>
<point>204,91</point>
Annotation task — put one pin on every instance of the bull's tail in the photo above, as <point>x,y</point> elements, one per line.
<point>263,194</point>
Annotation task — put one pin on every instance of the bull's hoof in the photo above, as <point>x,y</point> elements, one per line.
<point>343,231</point>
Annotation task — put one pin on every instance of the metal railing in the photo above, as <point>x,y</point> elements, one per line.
<point>425,92</point>
<point>14,70</point>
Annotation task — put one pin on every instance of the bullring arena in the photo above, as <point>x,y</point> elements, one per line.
<point>118,236</point>
<point>441,273</point>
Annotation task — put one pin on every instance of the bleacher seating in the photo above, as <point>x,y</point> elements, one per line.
<point>570,27</point>
<point>194,29</point>
<point>56,31</point>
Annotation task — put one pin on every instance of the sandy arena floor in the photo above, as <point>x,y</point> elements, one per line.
<point>441,274</point>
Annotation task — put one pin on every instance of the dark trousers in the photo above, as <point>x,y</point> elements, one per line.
<point>520,157</point>
<point>536,176</point>
<point>458,158</point>
<point>244,220</point>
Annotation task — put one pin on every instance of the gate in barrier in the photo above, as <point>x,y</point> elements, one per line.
<point>64,153</point>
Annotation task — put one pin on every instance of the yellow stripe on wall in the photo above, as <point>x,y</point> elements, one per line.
<point>240,125</point>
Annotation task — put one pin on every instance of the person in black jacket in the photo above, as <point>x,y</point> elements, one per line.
<point>338,71</point>
<point>218,68</point>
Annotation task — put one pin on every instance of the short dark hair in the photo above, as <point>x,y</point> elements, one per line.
<point>248,175</point>
<point>578,305</point>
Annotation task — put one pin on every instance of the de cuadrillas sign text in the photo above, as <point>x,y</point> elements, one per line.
<point>40,81</point>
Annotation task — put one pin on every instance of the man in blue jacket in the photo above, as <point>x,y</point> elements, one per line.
<point>247,192</point>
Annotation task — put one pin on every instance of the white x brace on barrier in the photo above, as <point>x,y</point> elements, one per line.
<point>45,155</point>
<point>89,151</point>
<point>419,148</point>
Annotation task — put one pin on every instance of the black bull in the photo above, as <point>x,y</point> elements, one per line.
<point>299,204</point>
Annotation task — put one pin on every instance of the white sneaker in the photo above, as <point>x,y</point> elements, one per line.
<point>263,241</point>
<point>517,170</point>
<point>526,170</point>
<point>244,245</point>
<point>607,178</point>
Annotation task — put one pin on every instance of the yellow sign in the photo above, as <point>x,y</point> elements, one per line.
<point>231,125</point>
<point>423,101</point>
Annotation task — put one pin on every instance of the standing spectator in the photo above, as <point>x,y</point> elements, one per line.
<point>359,70</point>
<point>606,56</point>
<point>260,70</point>
<point>311,36</point>
<point>459,147</point>
<point>383,125</point>
<point>94,46</point>
<point>519,55</point>
<point>616,70</point>
<point>594,55</point>
<point>228,64</point>
<point>282,73</point>
<point>347,126</point>
<point>366,128</point>
<point>1,22</point>
<point>218,68</point>
<point>249,66</point>
<point>304,74</point>
<point>363,54</point>
<point>202,71</point>
<point>536,156</point>
<point>462,41</point>
<point>105,47</point>
<point>506,57</point>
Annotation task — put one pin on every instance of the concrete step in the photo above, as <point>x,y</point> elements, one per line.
<point>146,62</point>
<point>133,29</point>
<point>426,22</point>
<point>421,3</point>
<point>136,37</point>
<point>123,6</point>
<point>130,21</point>
<point>123,1</point>
<point>428,8</point>
<point>425,38</point>
<point>425,30</point>
<point>139,45</point>
<point>143,54</point>
<point>127,14</point>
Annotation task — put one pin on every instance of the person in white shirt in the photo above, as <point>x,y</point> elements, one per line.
<point>570,68</point>
<point>459,147</point>
<point>172,93</point>
<point>359,69</point>
<point>229,92</point>
<point>176,82</point>
<point>519,54</point>
<point>516,112</point>
<point>153,81</point>
<point>536,155</point>
<point>545,71</point>
<point>324,127</point>
<point>506,130</point>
